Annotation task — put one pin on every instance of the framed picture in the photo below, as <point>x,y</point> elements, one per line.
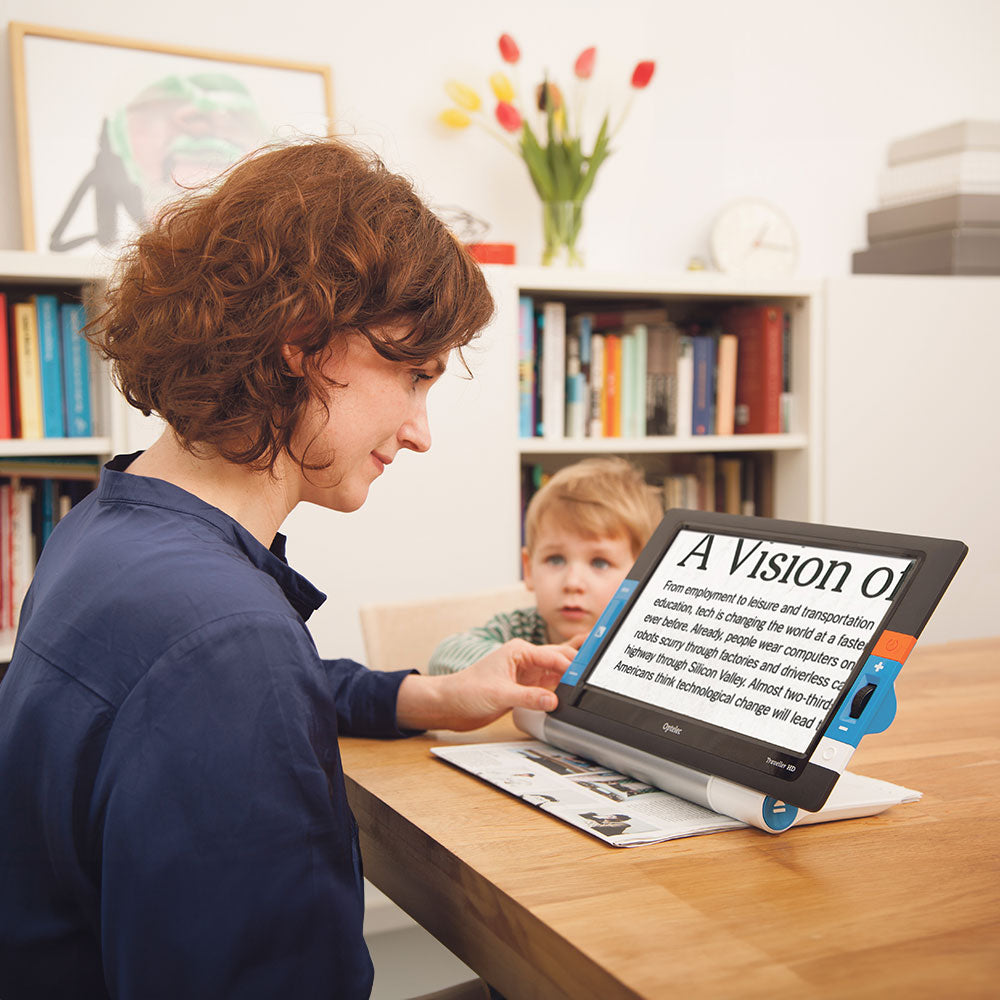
<point>108,129</point>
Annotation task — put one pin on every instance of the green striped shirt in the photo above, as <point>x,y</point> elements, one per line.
<point>459,650</point>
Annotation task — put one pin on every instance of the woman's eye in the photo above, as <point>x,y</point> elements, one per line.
<point>420,376</point>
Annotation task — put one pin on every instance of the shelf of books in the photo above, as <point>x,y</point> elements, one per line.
<point>708,383</point>
<point>54,415</point>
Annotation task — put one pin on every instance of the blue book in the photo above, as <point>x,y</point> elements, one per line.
<point>48,509</point>
<point>703,396</point>
<point>76,372</point>
<point>50,361</point>
<point>526,367</point>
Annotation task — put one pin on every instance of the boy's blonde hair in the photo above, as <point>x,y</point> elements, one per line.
<point>597,498</point>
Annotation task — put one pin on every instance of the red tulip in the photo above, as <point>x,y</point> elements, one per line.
<point>584,64</point>
<point>643,73</point>
<point>509,51</point>
<point>508,116</point>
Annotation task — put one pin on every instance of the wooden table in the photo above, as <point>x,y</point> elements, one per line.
<point>904,904</point>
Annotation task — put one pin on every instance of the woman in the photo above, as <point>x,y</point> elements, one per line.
<point>173,820</point>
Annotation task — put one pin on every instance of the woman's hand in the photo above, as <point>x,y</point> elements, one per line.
<point>515,675</point>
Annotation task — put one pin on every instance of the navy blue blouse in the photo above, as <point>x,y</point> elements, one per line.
<point>173,820</point>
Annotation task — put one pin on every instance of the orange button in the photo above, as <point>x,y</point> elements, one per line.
<point>894,645</point>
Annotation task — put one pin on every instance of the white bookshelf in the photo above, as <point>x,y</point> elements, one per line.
<point>22,271</point>
<point>664,445</point>
<point>795,456</point>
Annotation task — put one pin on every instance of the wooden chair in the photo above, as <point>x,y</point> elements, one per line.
<point>405,633</point>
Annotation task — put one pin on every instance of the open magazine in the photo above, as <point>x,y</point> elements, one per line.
<point>623,811</point>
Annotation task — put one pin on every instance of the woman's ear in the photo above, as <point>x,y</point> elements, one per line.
<point>526,569</point>
<point>293,358</point>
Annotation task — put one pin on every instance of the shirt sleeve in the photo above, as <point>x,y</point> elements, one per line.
<point>227,851</point>
<point>464,648</point>
<point>365,699</point>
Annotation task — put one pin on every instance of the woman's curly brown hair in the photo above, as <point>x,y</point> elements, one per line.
<point>300,244</point>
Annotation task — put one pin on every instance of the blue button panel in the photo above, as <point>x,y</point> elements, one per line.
<point>777,815</point>
<point>880,708</point>
<point>608,616</point>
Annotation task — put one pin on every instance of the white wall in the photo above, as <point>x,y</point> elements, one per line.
<point>792,100</point>
<point>912,441</point>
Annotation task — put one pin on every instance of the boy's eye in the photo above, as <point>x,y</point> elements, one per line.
<point>599,562</point>
<point>555,560</point>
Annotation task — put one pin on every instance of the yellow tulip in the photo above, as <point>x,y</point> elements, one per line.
<point>455,118</point>
<point>502,88</point>
<point>463,96</point>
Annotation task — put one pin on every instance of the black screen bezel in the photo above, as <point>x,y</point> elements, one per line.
<point>715,750</point>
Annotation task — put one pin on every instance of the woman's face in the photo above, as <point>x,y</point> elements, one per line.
<point>379,408</point>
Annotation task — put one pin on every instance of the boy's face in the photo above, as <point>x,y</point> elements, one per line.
<point>574,576</point>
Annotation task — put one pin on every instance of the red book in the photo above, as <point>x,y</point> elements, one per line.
<point>5,400</point>
<point>760,367</point>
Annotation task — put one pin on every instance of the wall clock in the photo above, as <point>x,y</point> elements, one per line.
<point>752,237</point>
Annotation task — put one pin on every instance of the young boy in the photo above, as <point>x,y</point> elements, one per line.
<point>582,531</point>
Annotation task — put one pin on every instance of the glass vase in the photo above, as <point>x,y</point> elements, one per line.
<point>561,224</point>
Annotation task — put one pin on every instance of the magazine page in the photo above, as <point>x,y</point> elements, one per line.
<point>609,805</point>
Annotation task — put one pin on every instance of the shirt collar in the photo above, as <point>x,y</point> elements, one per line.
<point>117,485</point>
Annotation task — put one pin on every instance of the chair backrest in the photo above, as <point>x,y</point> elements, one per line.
<point>404,634</point>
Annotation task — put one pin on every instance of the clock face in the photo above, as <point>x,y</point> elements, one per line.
<point>751,237</point>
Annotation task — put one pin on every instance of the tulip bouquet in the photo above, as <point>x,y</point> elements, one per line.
<point>561,171</point>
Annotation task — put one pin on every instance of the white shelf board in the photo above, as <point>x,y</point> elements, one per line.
<point>54,447</point>
<point>675,445</point>
<point>39,268</point>
<point>581,281</point>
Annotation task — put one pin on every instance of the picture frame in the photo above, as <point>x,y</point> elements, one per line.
<point>95,162</point>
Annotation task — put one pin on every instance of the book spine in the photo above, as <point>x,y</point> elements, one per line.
<point>575,416</point>
<point>612,385</point>
<point>626,384</point>
<point>725,384</point>
<point>685,387</point>
<point>526,367</point>
<point>50,365</point>
<point>5,553</point>
<point>23,547</point>
<point>585,332</point>
<point>6,429</point>
<point>760,368</point>
<point>703,354</point>
<point>640,361</point>
<point>730,474</point>
<point>661,380</point>
<point>705,474</point>
<point>598,379</point>
<point>29,378</point>
<point>76,371</point>
<point>539,372</point>
<point>554,353</point>
<point>748,487</point>
<point>785,407</point>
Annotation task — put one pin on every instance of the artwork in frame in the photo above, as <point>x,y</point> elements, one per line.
<point>109,129</point>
